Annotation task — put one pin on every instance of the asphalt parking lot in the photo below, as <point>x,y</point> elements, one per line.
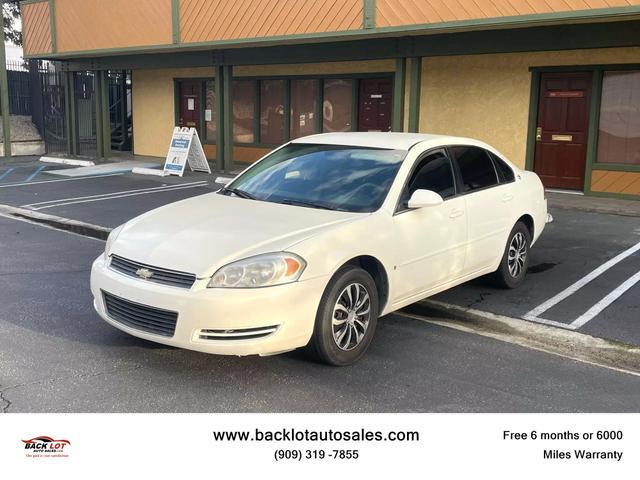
<point>57,355</point>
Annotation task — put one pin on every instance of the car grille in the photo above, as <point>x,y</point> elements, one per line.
<point>237,334</point>
<point>141,317</point>
<point>159,275</point>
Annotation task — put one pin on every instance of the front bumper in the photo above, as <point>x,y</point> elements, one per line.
<point>292,308</point>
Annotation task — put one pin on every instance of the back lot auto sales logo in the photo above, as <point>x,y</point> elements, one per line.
<point>46,447</point>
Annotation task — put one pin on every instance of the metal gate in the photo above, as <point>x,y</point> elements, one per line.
<point>53,110</point>
<point>86,113</point>
<point>120,110</point>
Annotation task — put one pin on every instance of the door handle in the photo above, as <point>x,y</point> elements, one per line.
<point>455,213</point>
<point>507,197</point>
<point>539,134</point>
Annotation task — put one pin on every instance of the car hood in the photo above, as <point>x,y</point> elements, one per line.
<point>203,233</point>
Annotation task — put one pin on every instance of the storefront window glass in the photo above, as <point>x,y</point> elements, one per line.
<point>272,93</point>
<point>619,132</point>
<point>244,100</point>
<point>337,105</point>
<point>210,111</point>
<point>304,105</point>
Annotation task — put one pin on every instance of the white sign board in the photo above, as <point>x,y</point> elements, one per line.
<point>185,147</point>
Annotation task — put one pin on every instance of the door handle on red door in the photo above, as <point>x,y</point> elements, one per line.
<point>507,197</point>
<point>455,213</point>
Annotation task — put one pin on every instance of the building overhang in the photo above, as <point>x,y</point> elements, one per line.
<point>580,35</point>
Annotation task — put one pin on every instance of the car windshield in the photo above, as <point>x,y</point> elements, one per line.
<point>333,177</point>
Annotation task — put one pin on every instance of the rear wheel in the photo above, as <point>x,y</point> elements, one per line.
<point>515,260</point>
<point>346,318</point>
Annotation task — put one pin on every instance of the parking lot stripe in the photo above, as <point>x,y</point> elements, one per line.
<point>113,197</point>
<point>605,302</point>
<point>30,184</point>
<point>534,314</point>
<point>7,172</point>
<point>566,343</point>
<point>34,174</point>
<point>161,187</point>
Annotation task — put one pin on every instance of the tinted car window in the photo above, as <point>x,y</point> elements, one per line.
<point>476,168</point>
<point>433,173</point>
<point>505,173</point>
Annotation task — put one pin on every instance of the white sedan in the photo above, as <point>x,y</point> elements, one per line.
<point>313,243</point>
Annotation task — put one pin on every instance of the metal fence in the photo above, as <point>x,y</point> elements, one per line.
<point>19,82</point>
<point>38,89</point>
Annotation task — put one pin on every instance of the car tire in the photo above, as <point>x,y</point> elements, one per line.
<point>346,319</point>
<point>515,259</point>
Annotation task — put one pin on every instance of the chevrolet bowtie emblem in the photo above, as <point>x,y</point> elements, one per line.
<point>144,273</point>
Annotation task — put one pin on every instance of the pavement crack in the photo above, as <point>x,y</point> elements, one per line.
<point>5,400</point>
<point>8,403</point>
<point>481,298</point>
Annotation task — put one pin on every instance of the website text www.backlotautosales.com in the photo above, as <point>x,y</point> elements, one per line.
<point>307,437</point>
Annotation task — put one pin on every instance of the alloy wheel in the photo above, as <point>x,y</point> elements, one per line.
<point>517,254</point>
<point>351,316</point>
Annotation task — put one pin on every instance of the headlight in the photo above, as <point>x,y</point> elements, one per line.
<point>110,239</point>
<point>260,271</point>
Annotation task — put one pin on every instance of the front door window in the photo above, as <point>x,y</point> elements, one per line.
<point>190,105</point>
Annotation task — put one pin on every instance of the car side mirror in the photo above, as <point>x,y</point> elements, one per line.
<point>424,198</point>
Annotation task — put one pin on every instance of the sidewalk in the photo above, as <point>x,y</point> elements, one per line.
<point>614,206</point>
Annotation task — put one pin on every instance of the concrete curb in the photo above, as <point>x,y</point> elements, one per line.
<point>58,223</point>
<point>68,161</point>
<point>149,171</point>
<point>566,343</point>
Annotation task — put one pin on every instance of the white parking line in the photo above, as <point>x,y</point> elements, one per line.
<point>30,184</point>
<point>160,187</point>
<point>605,302</point>
<point>534,315</point>
<point>121,195</point>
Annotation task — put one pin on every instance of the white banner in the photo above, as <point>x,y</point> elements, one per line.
<point>298,446</point>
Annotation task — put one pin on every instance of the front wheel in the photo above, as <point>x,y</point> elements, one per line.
<point>515,260</point>
<point>346,319</point>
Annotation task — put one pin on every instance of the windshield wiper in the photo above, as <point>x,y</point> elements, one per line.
<point>302,203</point>
<point>239,193</point>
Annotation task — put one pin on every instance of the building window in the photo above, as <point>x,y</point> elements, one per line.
<point>619,132</point>
<point>210,111</point>
<point>244,102</point>
<point>337,105</point>
<point>304,105</point>
<point>272,100</point>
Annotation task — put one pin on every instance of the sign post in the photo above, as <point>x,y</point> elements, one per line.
<point>185,147</point>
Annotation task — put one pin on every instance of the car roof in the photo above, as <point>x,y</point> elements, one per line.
<point>390,140</point>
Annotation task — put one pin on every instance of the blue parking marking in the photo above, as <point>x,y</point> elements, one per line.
<point>7,172</point>
<point>34,174</point>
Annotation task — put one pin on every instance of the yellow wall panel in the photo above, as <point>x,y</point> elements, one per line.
<point>97,24</point>
<point>487,96</point>
<point>393,13</point>
<point>153,108</point>
<point>36,28</point>
<point>204,20</point>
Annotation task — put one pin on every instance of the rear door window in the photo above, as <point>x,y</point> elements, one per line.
<point>476,168</point>
<point>505,173</point>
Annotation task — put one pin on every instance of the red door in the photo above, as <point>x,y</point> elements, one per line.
<point>561,135</point>
<point>190,105</point>
<point>374,113</point>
